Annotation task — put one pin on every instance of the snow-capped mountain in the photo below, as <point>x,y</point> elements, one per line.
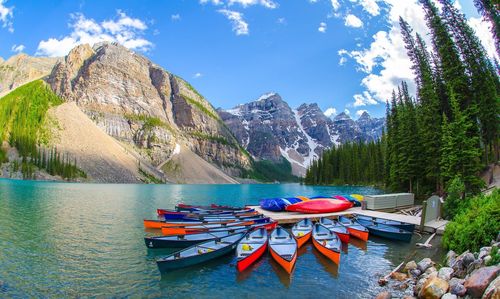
<point>269,129</point>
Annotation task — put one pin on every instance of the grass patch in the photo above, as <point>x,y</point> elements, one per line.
<point>218,139</point>
<point>148,122</point>
<point>201,108</point>
<point>148,178</point>
<point>171,167</point>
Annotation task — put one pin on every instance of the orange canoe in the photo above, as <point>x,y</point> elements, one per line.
<point>283,248</point>
<point>327,242</point>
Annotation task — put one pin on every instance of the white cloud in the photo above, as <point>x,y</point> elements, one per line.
<point>322,27</point>
<point>370,6</point>
<point>363,99</point>
<point>385,61</point>
<point>343,53</point>
<point>313,1</point>
<point>359,112</point>
<point>17,48</point>
<point>197,75</point>
<point>346,111</point>
<point>483,32</point>
<point>236,18</point>
<point>353,21</point>
<point>335,5</point>
<point>6,16</point>
<point>123,29</point>
<point>214,2</point>
<point>330,112</point>
<point>176,17</point>
<point>245,3</point>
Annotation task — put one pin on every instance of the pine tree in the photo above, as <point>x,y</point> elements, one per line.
<point>491,11</point>
<point>460,155</point>
<point>452,68</point>
<point>483,80</point>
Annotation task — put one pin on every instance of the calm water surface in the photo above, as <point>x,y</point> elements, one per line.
<point>86,240</point>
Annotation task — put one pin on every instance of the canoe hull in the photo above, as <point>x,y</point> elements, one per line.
<point>386,231</point>
<point>303,239</point>
<point>401,225</point>
<point>244,263</point>
<point>359,234</point>
<point>165,266</point>
<point>344,238</point>
<point>333,255</point>
<point>288,265</point>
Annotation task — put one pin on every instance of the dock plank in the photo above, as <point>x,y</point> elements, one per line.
<point>436,226</point>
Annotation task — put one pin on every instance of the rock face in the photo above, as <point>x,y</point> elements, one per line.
<point>477,283</point>
<point>144,106</point>
<point>269,129</point>
<point>21,69</point>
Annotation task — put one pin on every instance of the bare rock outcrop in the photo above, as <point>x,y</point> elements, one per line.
<point>138,102</point>
<point>21,69</point>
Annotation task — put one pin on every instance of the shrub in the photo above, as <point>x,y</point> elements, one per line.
<point>454,199</point>
<point>495,257</point>
<point>476,224</point>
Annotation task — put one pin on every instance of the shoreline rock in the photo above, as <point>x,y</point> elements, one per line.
<point>462,276</point>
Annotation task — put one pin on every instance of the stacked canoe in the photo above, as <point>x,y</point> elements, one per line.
<point>204,233</point>
<point>312,205</point>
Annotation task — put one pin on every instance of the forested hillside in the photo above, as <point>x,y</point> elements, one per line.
<point>23,123</point>
<point>449,130</point>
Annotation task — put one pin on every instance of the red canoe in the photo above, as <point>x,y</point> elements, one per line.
<point>317,206</point>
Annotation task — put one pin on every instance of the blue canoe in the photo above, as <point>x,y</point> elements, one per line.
<point>200,253</point>
<point>385,231</point>
<point>398,224</point>
<point>277,204</point>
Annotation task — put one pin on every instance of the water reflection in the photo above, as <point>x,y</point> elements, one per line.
<point>329,266</point>
<point>284,277</point>
<point>359,243</point>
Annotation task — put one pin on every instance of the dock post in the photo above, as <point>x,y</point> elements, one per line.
<point>422,217</point>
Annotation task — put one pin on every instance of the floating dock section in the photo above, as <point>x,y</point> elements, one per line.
<point>435,226</point>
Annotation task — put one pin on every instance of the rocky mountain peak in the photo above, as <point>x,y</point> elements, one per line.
<point>342,116</point>
<point>364,116</point>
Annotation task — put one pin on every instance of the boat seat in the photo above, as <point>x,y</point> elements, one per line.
<point>280,237</point>
<point>245,253</point>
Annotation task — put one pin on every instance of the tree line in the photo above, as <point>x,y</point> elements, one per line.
<point>450,129</point>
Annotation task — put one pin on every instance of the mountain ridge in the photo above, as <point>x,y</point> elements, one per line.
<point>269,129</point>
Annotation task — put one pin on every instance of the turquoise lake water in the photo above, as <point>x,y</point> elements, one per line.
<point>86,240</point>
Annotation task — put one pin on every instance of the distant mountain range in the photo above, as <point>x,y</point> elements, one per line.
<point>268,128</point>
<point>126,119</point>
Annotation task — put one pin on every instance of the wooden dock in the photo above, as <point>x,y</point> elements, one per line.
<point>293,217</point>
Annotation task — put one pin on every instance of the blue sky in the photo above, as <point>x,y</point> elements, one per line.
<point>340,54</point>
